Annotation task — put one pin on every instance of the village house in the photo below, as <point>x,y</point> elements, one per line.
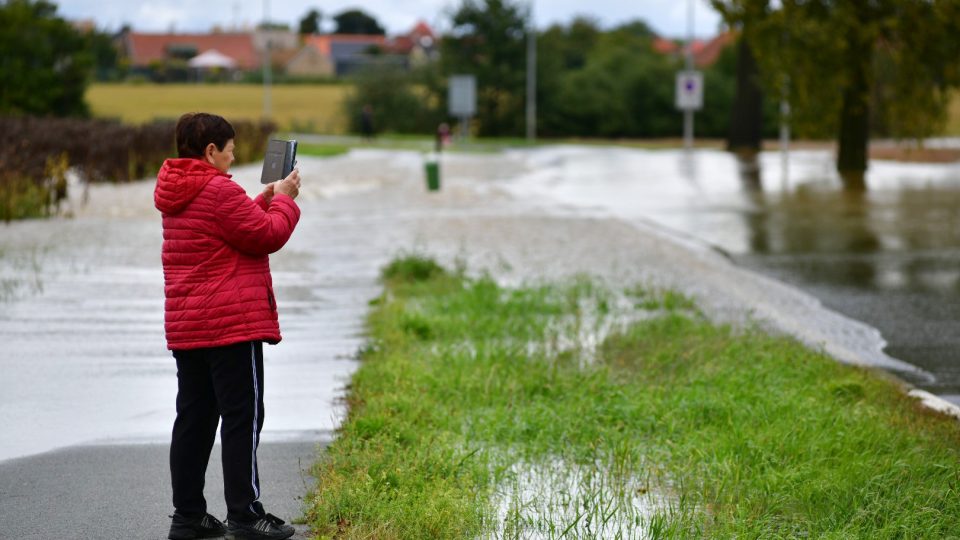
<point>705,52</point>
<point>182,57</point>
<point>342,54</point>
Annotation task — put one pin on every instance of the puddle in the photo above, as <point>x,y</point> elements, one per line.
<point>561,499</point>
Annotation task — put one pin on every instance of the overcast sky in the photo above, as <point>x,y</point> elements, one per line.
<point>667,17</point>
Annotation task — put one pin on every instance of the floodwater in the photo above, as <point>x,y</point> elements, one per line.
<point>889,257</point>
<point>81,314</point>
<point>81,299</point>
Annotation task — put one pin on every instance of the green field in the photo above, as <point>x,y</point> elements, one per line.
<point>307,107</point>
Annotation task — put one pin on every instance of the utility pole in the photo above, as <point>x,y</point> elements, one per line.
<point>531,74</point>
<point>266,60</point>
<point>785,123</point>
<point>785,130</point>
<point>688,112</point>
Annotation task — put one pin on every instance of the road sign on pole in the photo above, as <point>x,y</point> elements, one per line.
<point>462,99</point>
<point>689,90</point>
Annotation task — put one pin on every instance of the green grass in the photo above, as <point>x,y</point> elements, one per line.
<point>571,410</point>
<point>491,145</point>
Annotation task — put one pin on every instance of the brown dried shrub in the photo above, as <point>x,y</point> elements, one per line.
<point>98,150</point>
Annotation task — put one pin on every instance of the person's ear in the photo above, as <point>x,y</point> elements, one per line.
<point>208,152</point>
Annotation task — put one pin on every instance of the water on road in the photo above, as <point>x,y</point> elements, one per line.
<point>81,299</point>
<point>81,313</point>
<point>889,257</point>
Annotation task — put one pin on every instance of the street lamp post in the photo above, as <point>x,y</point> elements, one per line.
<point>266,61</point>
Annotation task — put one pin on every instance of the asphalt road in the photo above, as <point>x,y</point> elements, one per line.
<point>123,491</point>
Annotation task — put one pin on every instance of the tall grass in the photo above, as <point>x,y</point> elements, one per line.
<point>575,410</point>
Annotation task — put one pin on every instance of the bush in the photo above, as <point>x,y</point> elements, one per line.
<point>399,106</point>
<point>21,198</point>
<point>411,268</point>
<point>32,148</point>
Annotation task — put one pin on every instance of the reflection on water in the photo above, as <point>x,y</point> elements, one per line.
<point>889,256</point>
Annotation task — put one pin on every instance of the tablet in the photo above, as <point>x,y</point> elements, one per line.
<point>279,160</point>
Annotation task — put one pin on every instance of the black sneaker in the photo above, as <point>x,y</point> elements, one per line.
<point>184,528</point>
<point>268,527</point>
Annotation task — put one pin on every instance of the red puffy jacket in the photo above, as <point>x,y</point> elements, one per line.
<point>216,269</point>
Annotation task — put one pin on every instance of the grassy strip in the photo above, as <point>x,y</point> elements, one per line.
<point>570,410</point>
<point>322,150</point>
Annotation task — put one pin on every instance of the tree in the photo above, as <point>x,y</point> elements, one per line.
<point>746,114</point>
<point>106,58</point>
<point>310,23</point>
<point>270,26</point>
<point>623,89</point>
<point>825,53</point>
<point>44,62</point>
<point>396,102</point>
<point>355,21</point>
<point>560,49</point>
<point>488,40</point>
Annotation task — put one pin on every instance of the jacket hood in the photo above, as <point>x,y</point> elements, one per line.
<point>179,181</point>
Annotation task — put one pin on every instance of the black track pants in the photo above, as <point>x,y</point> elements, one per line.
<point>214,383</point>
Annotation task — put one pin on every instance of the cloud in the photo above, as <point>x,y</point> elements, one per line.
<point>155,16</point>
<point>667,17</point>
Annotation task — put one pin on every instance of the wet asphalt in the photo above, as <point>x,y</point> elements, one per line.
<point>123,491</point>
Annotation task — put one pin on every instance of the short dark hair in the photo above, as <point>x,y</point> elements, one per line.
<point>196,130</point>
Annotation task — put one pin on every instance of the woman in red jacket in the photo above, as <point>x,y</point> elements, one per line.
<point>220,308</point>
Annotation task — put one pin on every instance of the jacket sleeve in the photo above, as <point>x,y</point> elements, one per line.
<point>261,201</point>
<point>249,228</point>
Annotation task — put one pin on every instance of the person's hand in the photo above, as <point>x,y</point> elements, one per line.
<point>268,191</point>
<point>289,186</point>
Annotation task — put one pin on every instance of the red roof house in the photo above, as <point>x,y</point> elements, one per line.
<point>145,49</point>
<point>705,53</point>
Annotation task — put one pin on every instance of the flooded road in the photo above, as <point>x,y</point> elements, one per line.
<point>889,257</point>
<point>81,298</point>
<point>81,313</point>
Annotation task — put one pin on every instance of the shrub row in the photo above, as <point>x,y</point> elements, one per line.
<point>33,151</point>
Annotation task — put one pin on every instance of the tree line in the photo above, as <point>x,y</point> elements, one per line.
<point>591,81</point>
<point>853,69</point>
<point>849,70</point>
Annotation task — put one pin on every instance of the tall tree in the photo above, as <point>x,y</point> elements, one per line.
<point>355,21</point>
<point>488,41</point>
<point>310,23</point>
<point>826,51</point>
<point>44,62</point>
<point>746,118</point>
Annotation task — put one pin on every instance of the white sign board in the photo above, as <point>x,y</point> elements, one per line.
<point>690,90</point>
<point>462,95</point>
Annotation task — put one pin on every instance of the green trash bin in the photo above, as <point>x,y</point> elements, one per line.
<point>433,175</point>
